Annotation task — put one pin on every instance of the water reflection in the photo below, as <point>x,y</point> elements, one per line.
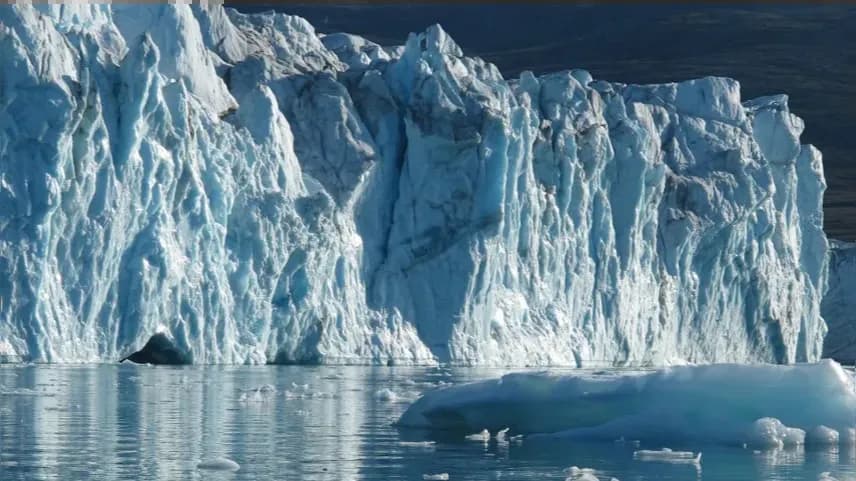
<point>321,424</point>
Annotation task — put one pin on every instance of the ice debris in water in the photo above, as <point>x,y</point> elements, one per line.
<point>303,391</point>
<point>582,474</point>
<point>225,180</point>
<point>24,391</point>
<point>666,455</point>
<point>481,436</point>
<point>826,476</point>
<point>767,433</point>
<point>714,403</point>
<point>822,436</point>
<point>261,394</point>
<point>622,441</point>
<point>501,435</point>
<point>436,477</point>
<point>418,444</point>
<point>219,464</point>
<point>386,395</point>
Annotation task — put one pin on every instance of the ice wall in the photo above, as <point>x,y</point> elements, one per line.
<point>258,192</point>
<point>839,303</point>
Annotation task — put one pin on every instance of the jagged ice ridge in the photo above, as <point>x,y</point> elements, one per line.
<point>257,192</point>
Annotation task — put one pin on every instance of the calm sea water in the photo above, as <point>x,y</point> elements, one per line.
<point>125,422</point>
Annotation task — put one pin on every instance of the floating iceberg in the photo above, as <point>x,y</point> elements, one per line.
<point>256,192</point>
<point>760,405</point>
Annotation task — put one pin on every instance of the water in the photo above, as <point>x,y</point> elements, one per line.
<point>110,422</point>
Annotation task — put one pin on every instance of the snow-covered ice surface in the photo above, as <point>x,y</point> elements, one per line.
<point>258,192</point>
<point>757,405</point>
<point>839,303</point>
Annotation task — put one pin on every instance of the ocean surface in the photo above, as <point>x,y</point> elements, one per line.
<point>127,422</point>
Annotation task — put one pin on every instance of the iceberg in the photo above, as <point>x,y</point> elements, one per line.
<point>251,191</point>
<point>758,405</point>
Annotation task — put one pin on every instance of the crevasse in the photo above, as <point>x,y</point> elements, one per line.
<point>257,192</point>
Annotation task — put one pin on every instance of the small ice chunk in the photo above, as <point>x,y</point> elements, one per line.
<point>483,436</point>
<point>436,477</point>
<point>666,455</point>
<point>386,395</point>
<point>219,464</point>
<point>501,435</point>
<point>580,474</point>
<point>826,476</point>
<point>296,391</point>
<point>417,444</point>
<point>771,433</point>
<point>259,394</point>
<point>822,436</point>
<point>303,391</point>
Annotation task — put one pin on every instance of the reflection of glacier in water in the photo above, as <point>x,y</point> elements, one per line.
<point>316,423</point>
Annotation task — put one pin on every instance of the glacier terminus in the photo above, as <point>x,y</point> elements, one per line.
<point>246,190</point>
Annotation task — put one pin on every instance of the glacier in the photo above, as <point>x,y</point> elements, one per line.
<point>839,306</point>
<point>255,192</point>
<point>754,405</point>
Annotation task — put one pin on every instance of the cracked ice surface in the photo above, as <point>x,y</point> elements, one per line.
<point>259,192</point>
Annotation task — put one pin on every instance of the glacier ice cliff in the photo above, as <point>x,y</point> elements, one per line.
<point>839,303</point>
<point>256,192</point>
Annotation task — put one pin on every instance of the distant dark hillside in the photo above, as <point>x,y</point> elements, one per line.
<point>808,52</point>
